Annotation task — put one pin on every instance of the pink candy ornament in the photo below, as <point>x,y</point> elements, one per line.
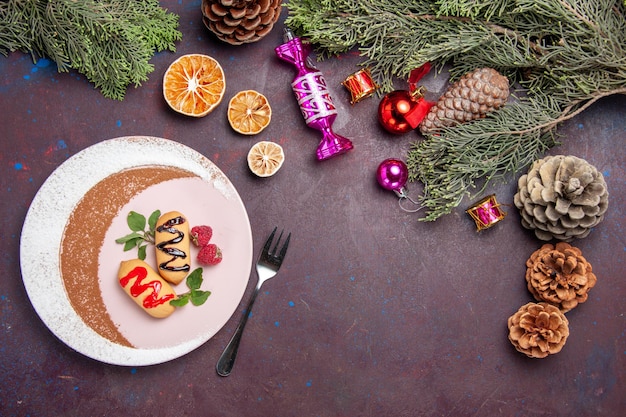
<point>392,174</point>
<point>313,97</point>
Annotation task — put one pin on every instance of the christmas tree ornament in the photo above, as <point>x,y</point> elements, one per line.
<point>391,111</point>
<point>401,111</point>
<point>538,330</point>
<point>313,96</point>
<point>360,85</point>
<point>471,97</point>
<point>559,275</point>
<point>486,212</point>
<point>240,21</point>
<point>392,174</point>
<point>561,197</point>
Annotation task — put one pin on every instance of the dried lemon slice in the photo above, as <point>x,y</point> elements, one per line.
<point>249,112</point>
<point>265,158</point>
<point>194,85</point>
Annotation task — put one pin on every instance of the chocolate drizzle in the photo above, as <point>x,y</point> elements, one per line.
<point>168,227</point>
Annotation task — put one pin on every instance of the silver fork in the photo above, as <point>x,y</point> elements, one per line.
<point>266,267</point>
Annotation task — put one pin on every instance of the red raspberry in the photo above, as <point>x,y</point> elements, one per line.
<point>201,235</point>
<point>210,255</point>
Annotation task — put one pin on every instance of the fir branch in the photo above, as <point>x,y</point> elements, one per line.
<point>564,54</point>
<point>110,42</point>
<point>453,163</point>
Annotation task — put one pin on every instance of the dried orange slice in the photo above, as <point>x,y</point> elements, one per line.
<point>265,158</point>
<point>194,85</point>
<point>249,112</point>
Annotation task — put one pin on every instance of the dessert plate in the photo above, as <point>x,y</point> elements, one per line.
<point>69,258</point>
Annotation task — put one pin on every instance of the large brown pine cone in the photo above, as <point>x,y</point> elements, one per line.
<point>471,97</point>
<point>240,21</point>
<point>561,197</point>
<point>538,330</point>
<point>559,275</point>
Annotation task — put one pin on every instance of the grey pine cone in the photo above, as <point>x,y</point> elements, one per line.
<point>240,21</point>
<point>471,97</point>
<point>561,197</point>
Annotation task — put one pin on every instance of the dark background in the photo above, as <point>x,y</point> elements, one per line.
<point>373,313</point>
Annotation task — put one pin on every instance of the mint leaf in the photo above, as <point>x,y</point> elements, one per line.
<point>136,221</point>
<point>130,245</point>
<point>139,237</point>
<point>152,220</point>
<point>198,297</point>
<point>194,279</point>
<point>195,294</point>
<point>128,237</point>
<point>181,301</point>
<point>141,252</point>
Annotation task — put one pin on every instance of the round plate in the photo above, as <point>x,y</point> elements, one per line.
<point>72,280</point>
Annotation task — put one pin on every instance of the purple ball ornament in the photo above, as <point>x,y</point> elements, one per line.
<point>392,174</point>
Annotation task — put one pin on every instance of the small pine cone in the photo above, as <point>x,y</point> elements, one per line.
<point>240,21</point>
<point>561,197</point>
<point>471,97</point>
<point>559,275</point>
<point>538,330</point>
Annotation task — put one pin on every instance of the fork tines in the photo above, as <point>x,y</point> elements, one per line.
<point>283,249</point>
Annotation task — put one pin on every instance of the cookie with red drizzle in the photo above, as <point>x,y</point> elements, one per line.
<point>151,292</point>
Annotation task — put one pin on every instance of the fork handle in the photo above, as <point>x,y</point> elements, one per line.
<point>227,359</point>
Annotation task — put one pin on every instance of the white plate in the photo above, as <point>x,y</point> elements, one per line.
<point>206,196</point>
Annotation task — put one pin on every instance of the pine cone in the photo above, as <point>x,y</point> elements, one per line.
<point>538,330</point>
<point>559,275</point>
<point>561,197</point>
<point>471,97</point>
<point>240,21</point>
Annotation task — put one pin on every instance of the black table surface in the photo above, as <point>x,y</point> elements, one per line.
<point>373,312</point>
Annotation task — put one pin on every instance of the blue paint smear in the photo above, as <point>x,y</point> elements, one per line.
<point>18,166</point>
<point>309,383</point>
<point>291,304</point>
<point>43,63</point>
<point>277,324</point>
<point>119,123</point>
<point>61,144</point>
<point>606,173</point>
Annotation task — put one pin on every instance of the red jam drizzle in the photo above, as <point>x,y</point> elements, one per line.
<point>152,300</point>
<point>164,247</point>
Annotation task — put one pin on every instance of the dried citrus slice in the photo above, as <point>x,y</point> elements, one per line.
<point>265,158</point>
<point>194,85</point>
<point>249,112</point>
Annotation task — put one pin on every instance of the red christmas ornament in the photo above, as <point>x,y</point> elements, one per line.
<point>392,109</point>
<point>402,111</point>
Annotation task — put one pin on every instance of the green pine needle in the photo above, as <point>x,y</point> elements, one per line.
<point>561,55</point>
<point>110,42</point>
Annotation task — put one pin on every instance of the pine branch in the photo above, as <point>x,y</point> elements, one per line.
<point>564,54</point>
<point>110,42</point>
